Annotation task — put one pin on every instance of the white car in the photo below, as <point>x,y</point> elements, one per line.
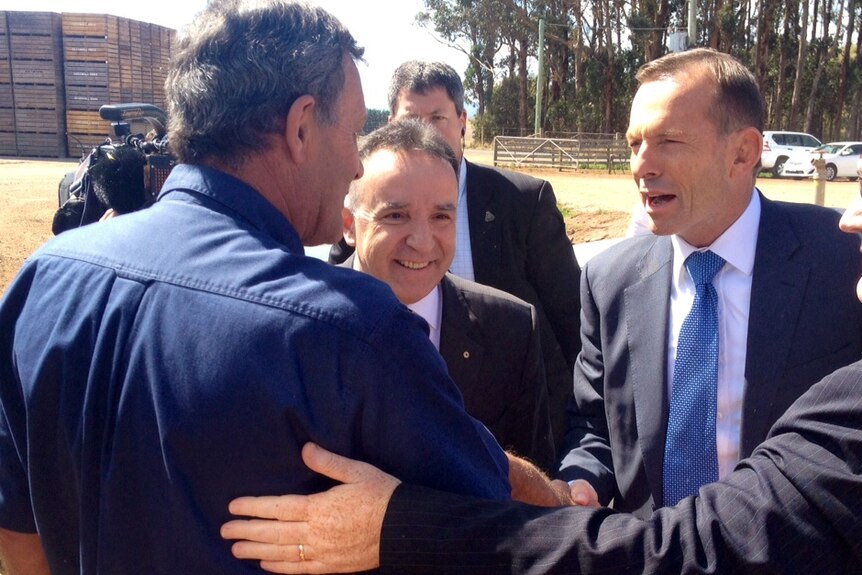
<point>841,161</point>
<point>778,146</point>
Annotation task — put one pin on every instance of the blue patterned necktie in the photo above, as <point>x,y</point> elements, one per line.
<point>690,457</point>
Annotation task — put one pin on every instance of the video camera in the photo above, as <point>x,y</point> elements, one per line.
<point>123,174</point>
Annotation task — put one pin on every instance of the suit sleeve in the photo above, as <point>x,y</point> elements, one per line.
<point>792,507</point>
<point>586,449</point>
<point>532,419</point>
<point>553,271</point>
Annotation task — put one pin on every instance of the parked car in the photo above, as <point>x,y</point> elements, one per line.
<point>778,146</point>
<point>841,161</point>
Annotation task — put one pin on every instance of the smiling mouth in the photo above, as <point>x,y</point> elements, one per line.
<point>413,265</point>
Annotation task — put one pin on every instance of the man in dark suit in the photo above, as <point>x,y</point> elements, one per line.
<point>511,233</point>
<point>786,313</point>
<point>400,218</point>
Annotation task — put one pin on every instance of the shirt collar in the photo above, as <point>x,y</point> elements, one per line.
<point>462,179</point>
<point>428,308</point>
<point>235,196</point>
<point>736,245</point>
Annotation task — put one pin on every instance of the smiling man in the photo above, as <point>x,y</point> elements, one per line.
<point>510,233</point>
<point>400,217</point>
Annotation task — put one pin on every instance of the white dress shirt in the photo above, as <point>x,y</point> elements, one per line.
<point>430,308</point>
<point>733,285</point>
<point>462,263</point>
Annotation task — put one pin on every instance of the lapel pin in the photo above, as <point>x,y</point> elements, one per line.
<point>489,217</point>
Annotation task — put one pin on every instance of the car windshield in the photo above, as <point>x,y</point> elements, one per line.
<point>828,149</point>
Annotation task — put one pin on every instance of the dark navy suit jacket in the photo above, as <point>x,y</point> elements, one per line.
<point>804,323</point>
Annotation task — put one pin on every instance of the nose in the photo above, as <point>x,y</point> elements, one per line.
<point>421,237</point>
<point>360,170</point>
<point>642,163</point>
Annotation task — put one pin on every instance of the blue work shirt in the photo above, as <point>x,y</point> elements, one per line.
<point>157,365</point>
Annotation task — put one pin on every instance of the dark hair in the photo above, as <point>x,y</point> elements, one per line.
<point>419,76</point>
<point>407,134</point>
<point>240,66</point>
<point>737,103</point>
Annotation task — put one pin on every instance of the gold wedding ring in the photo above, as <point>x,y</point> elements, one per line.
<point>301,552</point>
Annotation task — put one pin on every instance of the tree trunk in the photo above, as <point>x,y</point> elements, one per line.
<point>660,20</point>
<point>800,68</point>
<point>715,27</point>
<point>823,58</point>
<point>777,118</point>
<point>765,20</point>
<point>855,120</point>
<point>609,72</point>
<point>523,89</point>
<point>845,69</point>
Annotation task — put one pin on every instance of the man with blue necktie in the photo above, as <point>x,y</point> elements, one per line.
<point>680,378</point>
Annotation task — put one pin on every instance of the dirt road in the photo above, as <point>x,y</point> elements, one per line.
<point>597,205</point>
<point>28,196</point>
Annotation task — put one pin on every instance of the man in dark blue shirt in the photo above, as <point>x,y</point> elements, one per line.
<point>154,366</point>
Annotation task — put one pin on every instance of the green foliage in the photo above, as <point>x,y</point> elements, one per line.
<point>507,106</point>
<point>494,32</point>
<point>375,119</point>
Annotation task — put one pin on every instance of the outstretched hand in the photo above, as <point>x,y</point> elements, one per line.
<point>336,531</point>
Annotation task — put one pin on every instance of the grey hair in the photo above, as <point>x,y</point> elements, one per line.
<point>419,76</point>
<point>404,135</point>
<point>737,104</point>
<point>241,65</point>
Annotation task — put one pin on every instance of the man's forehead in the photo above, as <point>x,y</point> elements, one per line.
<point>353,89</point>
<point>398,173</point>
<point>660,105</point>
<point>413,100</point>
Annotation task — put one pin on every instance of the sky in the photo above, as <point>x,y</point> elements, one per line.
<point>385,28</point>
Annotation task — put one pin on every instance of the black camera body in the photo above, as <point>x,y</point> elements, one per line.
<point>123,174</point>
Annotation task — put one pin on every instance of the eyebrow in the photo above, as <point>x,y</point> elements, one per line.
<point>394,205</point>
<point>666,133</point>
<point>447,207</point>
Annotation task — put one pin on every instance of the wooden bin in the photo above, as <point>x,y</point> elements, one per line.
<point>33,43</point>
<point>110,60</point>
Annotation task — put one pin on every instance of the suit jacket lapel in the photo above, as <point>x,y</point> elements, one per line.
<point>484,226</point>
<point>777,291</point>
<point>647,305</point>
<point>460,338</point>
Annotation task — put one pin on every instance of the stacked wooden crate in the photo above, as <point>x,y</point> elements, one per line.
<point>8,142</point>
<point>57,70</point>
<point>110,60</point>
<point>32,106</point>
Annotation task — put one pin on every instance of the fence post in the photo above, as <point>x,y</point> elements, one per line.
<point>819,180</point>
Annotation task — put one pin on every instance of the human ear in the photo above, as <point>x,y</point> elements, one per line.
<point>348,229</point>
<point>748,145</point>
<point>301,123</point>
